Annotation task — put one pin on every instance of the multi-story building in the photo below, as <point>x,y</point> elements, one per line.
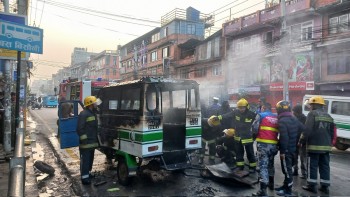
<point>104,65</point>
<point>155,53</point>
<point>333,51</point>
<point>259,50</point>
<point>201,61</point>
<point>80,55</point>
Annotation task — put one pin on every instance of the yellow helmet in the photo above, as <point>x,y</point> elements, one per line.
<point>242,103</point>
<point>230,132</point>
<point>317,100</point>
<point>89,100</point>
<point>213,121</point>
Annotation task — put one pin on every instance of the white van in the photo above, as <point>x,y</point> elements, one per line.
<point>339,108</point>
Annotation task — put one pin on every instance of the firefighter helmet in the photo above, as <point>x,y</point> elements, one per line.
<point>317,100</point>
<point>213,121</point>
<point>242,103</point>
<point>91,100</point>
<point>283,106</point>
<point>229,132</point>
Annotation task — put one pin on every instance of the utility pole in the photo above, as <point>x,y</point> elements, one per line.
<point>7,96</point>
<point>284,45</point>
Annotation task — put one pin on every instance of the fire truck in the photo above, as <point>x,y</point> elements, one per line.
<point>77,90</point>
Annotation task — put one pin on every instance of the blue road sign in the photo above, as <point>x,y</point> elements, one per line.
<point>18,37</point>
<point>15,18</point>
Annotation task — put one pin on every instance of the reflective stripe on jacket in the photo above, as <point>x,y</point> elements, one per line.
<point>87,129</point>
<point>268,128</point>
<point>319,131</point>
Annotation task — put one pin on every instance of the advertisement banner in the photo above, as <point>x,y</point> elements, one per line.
<point>292,86</point>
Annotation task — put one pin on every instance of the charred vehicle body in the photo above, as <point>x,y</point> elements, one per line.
<point>149,120</point>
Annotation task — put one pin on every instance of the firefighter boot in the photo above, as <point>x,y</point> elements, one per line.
<point>324,189</point>
<point>310,188</point>
<point>287,191</point>
<point>271,182</point>
<point>262,191</point>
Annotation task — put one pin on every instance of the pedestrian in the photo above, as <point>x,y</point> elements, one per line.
<point>225,147</point>
<point>88,142</point>
<point>301,148</point>
<point>319,135</point>
<point>262,100</point>
<point>242,119</point>
<point>288,127</point>
<point>210,133</point>
<point>265,128</point>
<point>214,109</point>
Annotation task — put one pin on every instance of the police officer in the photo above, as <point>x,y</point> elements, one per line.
<point>319,135</point>
<point>87,131</point>
<point>242,119</point>
<point>289,127</point>
<point>265,128</point>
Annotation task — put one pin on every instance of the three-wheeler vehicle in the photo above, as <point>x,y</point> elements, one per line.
<point>152,120</point>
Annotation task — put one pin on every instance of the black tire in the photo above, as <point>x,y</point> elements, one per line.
<point>341,146</point>
<point>44,167</point>
<point>123,172</point>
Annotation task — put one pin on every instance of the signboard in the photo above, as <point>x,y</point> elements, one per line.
<point>293,86</point>
<point>20,19</point>
<point>21,37</point>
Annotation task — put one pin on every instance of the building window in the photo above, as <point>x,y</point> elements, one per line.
<point>191,29</point>
<point>166,31</point>
<point>338,63</point>
<point>339,24</point>
<point>217,47</point>
<point>216,71</point>
<point>208,50</point>
<point>307,31</point>
<point>165,52</point>
<point>267,37</point>
<point>114,60</point>
<point>184,73</point>
<point>154,56</point>
<point>200,72</point>
<point>295,33</point>
<point>155,37</point>
<point>114,72</point>
<point>108,58</point>
<point>107,71</point>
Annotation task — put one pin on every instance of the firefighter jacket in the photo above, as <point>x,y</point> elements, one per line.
<point>320,131</point>
<point>289,127</point>
<point>228,143</point>
<point>242,123</point>
<point>87,129</point>
<point>268,128</point>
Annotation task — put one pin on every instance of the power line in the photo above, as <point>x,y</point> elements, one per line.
<point>42,11</point>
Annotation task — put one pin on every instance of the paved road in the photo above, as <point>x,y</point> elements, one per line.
<point>189,183</point>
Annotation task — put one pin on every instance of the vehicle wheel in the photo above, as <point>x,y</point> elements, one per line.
<point>123,172</point>
<point>341,146</point>
<point>44,167</point>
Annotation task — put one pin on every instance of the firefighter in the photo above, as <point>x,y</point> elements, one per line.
<point>225,146</point>
<point>288,127</point>
<point>87,131</point>
<point>210,133</point>
<point>319,135</point>
<point>265,128</point>
<point>242,119</point>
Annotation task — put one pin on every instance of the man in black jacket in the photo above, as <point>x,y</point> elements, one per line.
<point>301,148</point>
<point>288,127</point>
<point>319,135</point>
<point>87,131</point>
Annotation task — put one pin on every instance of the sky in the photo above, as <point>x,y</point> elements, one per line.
<point>103,24</point>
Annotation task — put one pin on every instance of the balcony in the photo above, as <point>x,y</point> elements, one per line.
<point>262,18</point>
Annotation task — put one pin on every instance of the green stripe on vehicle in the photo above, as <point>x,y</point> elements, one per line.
<point>343,126</point>
<point>147,137</point>
<point>193,131</point>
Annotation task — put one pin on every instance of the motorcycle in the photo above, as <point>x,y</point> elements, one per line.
<point>36,105</point>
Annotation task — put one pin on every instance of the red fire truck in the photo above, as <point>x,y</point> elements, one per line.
<point>78,90</point>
